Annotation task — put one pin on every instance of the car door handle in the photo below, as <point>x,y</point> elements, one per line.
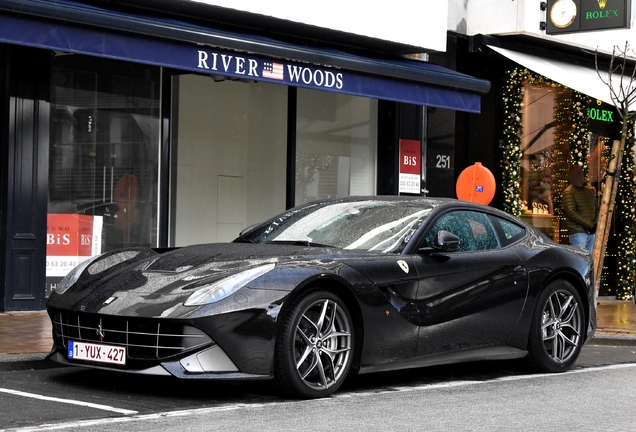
<point>519,269</point>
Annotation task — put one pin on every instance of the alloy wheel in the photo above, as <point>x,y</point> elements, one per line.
<point>322,346</point>
<point>561,326</point>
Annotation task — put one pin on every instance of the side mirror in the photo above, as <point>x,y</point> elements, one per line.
<point>446,241</point>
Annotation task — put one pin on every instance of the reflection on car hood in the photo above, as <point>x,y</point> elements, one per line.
<point>238,256</point>
<point>162,282</point>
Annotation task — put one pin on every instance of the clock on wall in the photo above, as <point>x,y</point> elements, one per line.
<point>563,13</point>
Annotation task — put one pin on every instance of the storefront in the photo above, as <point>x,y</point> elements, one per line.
<point>548,109</point>
<point>123,130</point>
<point>567,118</point>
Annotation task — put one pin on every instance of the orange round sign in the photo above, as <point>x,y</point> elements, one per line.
<point>476,184</point>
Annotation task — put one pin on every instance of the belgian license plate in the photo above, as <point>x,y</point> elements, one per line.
<point>96,353</point>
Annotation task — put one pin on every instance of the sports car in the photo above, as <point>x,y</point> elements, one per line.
<point>330,289</point>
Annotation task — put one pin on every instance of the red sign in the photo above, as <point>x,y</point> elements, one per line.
<point>70,239</point>
<point>410,157</point>
<point>69,235</point>
<point>410,166</point>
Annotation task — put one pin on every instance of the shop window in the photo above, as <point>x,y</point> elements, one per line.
<point>539,158</point>
<point>229,156</point>
<point>544,162</point>
<point>103,159</point>
<point>336,145</point>
<point>556,134</point>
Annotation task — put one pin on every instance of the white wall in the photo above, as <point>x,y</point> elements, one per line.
<point>457,14</point>
<point>508,17</point>
<point>418,23</point>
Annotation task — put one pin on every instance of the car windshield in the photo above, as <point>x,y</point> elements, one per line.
<point>383,226</point>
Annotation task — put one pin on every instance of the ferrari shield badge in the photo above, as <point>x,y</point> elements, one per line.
<point>403,265</point>
<point>110,300</point>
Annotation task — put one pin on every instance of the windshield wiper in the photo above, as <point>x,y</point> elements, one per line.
<point>300,243</point>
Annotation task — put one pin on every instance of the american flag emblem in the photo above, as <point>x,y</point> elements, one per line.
<point>273,71</point>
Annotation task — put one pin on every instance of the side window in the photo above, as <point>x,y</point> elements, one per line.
<point>510,232</point>
<point>474,230</point>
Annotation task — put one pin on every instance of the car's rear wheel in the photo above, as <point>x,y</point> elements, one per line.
<point>314,349</point>
<point>558,328</point>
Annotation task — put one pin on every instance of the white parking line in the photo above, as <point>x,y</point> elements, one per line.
<point>68,401</point>
<point>450,384</point>
<point>333,399</point>
<point>170,414</point>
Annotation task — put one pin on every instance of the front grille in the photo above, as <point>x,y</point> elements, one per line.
<point>144,338</point>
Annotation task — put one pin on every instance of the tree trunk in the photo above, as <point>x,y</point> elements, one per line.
<point>606,209</point>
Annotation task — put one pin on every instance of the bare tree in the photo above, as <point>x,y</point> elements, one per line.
<point>622,86</point>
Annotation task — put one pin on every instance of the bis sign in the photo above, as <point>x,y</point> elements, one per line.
<point>410,166</point>
<point>569,16</point>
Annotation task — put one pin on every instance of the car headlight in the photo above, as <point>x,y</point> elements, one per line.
<point>227,286</point>
<point>72,277</point>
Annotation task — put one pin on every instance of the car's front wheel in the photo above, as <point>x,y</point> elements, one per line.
<point>558,328</point>
<point>314,349</point>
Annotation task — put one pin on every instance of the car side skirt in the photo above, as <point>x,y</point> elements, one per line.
<point>474,354</point>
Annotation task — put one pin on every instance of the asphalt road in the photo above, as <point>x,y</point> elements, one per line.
<point>475,396</point>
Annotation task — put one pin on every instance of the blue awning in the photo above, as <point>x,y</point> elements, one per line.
<point>71,27</point>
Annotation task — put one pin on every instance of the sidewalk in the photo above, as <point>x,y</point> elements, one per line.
<point>25,333</point>
<point>30,332</point>
<point>616,322</point>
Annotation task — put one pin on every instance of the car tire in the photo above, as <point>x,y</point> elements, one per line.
<point>314,347</point>
<point>557,331</point>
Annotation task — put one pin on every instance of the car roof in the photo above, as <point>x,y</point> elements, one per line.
<point>424,202</point>
<point>427,201</point>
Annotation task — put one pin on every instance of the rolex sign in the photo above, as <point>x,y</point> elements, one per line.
<point>569,16</point>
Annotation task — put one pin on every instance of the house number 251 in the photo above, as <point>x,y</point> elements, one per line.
<point>443,161</point>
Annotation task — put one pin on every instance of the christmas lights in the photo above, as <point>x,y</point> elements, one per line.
<point>626,222</point>
<point>513,93</point>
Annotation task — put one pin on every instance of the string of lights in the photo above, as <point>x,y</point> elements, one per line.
<point>626,232</point>
<point>510,145</point>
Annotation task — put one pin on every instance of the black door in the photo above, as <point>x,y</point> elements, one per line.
<point>25,139</point>
<point>472,297</point>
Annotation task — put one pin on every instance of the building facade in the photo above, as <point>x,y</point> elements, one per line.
<point>166,123</point>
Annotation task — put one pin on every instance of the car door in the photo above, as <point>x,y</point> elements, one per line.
<point>471,297</point>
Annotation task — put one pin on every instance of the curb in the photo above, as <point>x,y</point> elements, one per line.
<point>613,337</point>
<point>13,362</point>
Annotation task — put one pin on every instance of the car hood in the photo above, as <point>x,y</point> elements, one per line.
<point>144,282</point>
